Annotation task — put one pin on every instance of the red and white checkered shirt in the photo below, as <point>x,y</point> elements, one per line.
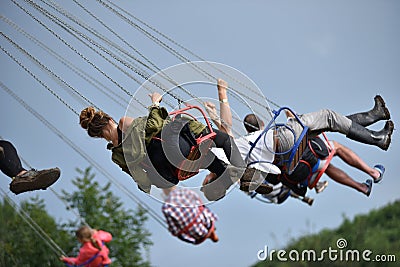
<point>182,208</point>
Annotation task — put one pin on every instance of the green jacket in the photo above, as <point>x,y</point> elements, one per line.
<point>132,151</point>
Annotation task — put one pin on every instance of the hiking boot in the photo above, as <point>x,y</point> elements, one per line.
<point>2,156</point>
<point>248,175</point>
<point>34,180</point>
<point>377,113</point>
<point>263,188</point>
<point>253,180</point>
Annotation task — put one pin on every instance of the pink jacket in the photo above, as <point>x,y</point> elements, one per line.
<point>87,251</point>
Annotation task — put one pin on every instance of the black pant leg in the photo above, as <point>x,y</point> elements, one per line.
<point>10,165</point>
<point>226,142</point>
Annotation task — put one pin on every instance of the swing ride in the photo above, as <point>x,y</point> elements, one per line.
<point>133,65</point>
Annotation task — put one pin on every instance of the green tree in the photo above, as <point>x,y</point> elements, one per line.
<point>21,244</point>
<point>101,209</point>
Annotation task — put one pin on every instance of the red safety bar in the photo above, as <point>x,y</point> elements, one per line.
<point>191,165</point>
<point>314,178</point>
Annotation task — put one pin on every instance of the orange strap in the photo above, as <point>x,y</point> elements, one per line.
<point>193,222</point>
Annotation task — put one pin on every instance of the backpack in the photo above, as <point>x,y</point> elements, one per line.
<point>297,180</point>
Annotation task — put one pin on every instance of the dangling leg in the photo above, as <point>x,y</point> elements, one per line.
<point>331,121</point>
<point>250,179</point>
<point>225,141</point>
<point>10,164</point>
<point>377,113</point>
<point>341,177</point>
<point>226,175</point>
<point>355,161</point>
<point>380,139</point>
<point>24,180</point>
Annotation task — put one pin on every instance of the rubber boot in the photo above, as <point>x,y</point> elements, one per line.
<point>380,139</point>
<point>377,113</point>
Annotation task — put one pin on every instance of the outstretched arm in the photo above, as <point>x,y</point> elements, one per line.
<point>155,98</point>
<point>212,112</point>
<point>156,117</point>
<point>225,109</point>
<point>224,120</point>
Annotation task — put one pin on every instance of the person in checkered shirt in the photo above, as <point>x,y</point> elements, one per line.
<point>187,217</point>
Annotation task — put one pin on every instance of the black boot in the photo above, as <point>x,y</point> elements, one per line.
<point>2,155</point>
<point>379,112</point>
<point>380,139</point>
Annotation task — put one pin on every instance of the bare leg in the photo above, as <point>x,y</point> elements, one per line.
<point>354,160</point>
<point>213,236</point>
<point>343,178</point>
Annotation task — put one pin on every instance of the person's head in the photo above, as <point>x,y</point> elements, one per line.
<point>252,123</point>
<point>85,234</point>
<point>95,122</point>
<point>168,190</point>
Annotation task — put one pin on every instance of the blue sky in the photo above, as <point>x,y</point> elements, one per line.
<point>304,54</point>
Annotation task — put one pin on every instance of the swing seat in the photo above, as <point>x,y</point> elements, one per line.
<point>193,162</point>
<point>288,160</point>
<point>322,164</point>
<point>297,151</point>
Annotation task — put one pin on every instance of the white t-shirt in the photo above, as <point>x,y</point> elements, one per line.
<point>262,156</point>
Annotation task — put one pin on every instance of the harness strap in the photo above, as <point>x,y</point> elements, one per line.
<point>210,230</point>
<point>193,222</point>
<point>86,263</point>
<point>310,171</point>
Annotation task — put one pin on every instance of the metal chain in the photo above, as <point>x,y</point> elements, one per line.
<point>189,51</point>
<point>73,49</point>
<point>181,57</point>
<point>80,72</point>
<point>62,82</point>
<point>39,81</point>
<point>137,70</point>
<point>156,68</point>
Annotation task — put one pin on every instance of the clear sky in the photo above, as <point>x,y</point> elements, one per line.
<point>304,54</point>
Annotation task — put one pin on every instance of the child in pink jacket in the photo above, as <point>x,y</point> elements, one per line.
<point>93,252</point>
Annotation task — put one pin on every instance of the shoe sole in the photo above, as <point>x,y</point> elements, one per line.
<point>382,172</point>
<point>248,175</point>
<point>390,127</point>
<point>259,188</point>
<point>379,100</point>
<point>322,188</point>
<point>368,183</point>
<point>42,181</point>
